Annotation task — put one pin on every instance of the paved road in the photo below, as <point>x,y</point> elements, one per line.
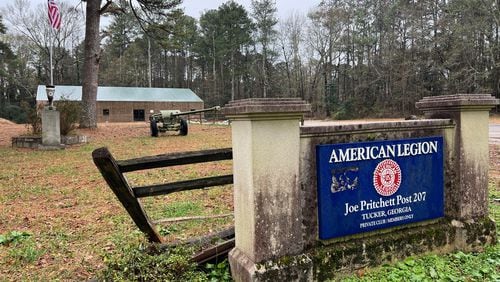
<point>494,133</point>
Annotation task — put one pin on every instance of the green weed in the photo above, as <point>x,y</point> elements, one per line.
<point>168,230</point>
<point>219,271</point>
<point>25,252</point>
<point>494,204</point>
<point>22,248</point>
<point>451,267</point>
<point>134,263</point>
<point>13,237</point>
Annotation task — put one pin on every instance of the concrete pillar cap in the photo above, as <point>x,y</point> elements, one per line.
<point>266,106</point>
<point>458,102</point>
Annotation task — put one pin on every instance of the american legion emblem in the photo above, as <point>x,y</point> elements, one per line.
<point>387,177</point>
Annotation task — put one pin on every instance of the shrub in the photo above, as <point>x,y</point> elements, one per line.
<point>13,113</point>
<point>69,114</point>
<point>33,118</point>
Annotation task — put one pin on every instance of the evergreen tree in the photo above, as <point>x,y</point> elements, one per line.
<point>264,13</point>
<point>225,33</point>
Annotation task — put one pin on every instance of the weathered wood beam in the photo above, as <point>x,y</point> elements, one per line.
<point>116,181</point>
<point>163,189</point>
<point>187,218</point>
<point>209,252</point>
<point>215,252</point>
<point>202,241</point>
<point>175,159</point>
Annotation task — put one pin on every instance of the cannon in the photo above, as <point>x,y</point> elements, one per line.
<point>170,120</point>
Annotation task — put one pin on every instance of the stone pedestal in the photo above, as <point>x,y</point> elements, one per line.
<point>51,133</point>
<point>468,172</point>
<point>265,137</point>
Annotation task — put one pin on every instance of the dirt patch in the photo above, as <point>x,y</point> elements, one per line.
<point>106,131</point>
<point>8,130</point>
<point>103,132</point>
<point>5,121</point>
<point>495,119</point>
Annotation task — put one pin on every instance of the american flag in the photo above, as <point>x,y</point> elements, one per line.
<point>54,15</point>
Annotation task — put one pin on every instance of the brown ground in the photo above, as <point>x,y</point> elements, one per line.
<point>495,118</point>
<point>107,131</point>
<point>61,199</point>
<point>5,121</point>
<point>8,130</point>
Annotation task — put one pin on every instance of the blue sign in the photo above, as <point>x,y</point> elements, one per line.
<point>372,185</point>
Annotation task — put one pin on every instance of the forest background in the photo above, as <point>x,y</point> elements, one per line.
<point>348,58</point>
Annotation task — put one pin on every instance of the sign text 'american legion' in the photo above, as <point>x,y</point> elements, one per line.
<point>383,151</point>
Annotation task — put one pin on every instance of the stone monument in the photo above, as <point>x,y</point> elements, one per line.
<point>51,133</point>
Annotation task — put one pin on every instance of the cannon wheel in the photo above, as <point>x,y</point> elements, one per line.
<point>184,128</point>
<point>154,128</point>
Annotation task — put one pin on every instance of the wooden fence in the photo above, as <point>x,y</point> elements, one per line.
<point>112,170</point>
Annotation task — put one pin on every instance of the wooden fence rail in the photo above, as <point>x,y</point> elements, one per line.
<point>112,171</point>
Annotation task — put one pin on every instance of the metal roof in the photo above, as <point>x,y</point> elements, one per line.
<point>122,94</point>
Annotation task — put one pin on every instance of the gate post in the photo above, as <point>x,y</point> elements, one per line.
<point>467,173</point>
<point>266,140</point>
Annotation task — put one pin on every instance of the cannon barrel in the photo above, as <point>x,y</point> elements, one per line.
<point>216,108</point>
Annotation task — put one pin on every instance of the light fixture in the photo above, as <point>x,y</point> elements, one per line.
<point>50,89</point>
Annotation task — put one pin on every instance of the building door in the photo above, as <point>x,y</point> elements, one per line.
<point>139,115</point>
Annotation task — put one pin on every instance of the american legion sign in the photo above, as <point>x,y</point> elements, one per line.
<point>372,185</point>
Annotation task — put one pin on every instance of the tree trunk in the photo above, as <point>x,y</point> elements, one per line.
<point>264,74</point>
<point>214,93</point>
<point>88,118</point>
<point>288,75</point>
<point>221,96</point>
<point>232,76</point>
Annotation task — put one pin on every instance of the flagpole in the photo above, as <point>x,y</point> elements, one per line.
<point>55,23</point>
<point>51,65</point>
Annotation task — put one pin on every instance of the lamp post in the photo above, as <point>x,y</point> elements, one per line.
<point>50,89</point>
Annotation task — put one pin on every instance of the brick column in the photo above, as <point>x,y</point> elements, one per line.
<point>467,172</point>
<point>266,140</point>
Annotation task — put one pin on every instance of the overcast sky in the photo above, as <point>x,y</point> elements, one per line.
<point>194,8</point>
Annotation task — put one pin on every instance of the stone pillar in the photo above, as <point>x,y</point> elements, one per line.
<point>467,196</point>
<point>51,132</point>
<point>266,140</point>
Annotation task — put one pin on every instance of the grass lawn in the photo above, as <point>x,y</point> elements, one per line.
<point>60,221</point>
<point>58,218</point>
